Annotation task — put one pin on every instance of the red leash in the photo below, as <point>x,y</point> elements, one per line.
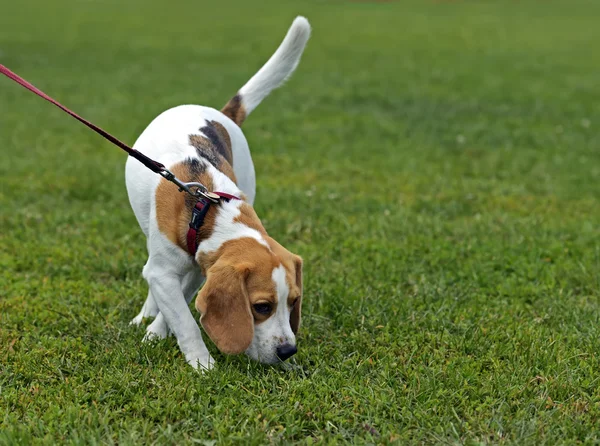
<point>154,166</point>
<point>205,198</point>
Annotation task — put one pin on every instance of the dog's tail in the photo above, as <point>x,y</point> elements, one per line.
<point>277,69</point>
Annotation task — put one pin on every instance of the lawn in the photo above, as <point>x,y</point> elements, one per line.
<point>436,163</point>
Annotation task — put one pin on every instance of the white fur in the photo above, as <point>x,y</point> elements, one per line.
<point>172,275</point>
<point>279,67</point>
<point>276,330</point>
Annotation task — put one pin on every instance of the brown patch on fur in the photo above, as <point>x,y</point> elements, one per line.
<point>235,110</point>
<point>174,208</point>
<point>219,136</point>
<point>210,152</point>
<point>296,315</point>
<point>207,260</point>
<point>225,308</point>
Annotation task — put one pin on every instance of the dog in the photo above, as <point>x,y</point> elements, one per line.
<point>252,294</point>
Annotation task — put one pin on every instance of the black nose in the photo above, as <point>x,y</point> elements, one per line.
<point>286,351</point>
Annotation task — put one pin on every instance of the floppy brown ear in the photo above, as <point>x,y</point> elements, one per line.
<point>296,315</point>
<point>225,308</point>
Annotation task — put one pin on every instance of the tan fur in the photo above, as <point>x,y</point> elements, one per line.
<point>296,315</point>
<point>235,110</point>
<point>225,308</point>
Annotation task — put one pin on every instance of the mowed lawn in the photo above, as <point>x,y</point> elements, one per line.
<point>436,163</point>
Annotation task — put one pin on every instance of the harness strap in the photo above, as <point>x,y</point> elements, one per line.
<point>199,212</point>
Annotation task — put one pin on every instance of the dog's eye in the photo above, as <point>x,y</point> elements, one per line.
<point>263,308</point>
<point>295,302</point>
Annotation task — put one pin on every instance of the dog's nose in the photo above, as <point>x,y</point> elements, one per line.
<point>286,351</point>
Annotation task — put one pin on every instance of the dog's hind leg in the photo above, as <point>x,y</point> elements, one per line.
<point>159,328</point>
<point>149,309</point>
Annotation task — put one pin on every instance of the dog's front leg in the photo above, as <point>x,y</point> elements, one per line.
<point>167,292</point>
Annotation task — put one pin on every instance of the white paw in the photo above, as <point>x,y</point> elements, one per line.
<point>158,329</point>
<point>137,320</point>
<point>201,363</point>
<point>152,336</point>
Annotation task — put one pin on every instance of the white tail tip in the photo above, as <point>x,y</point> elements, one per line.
<point>273,73</point>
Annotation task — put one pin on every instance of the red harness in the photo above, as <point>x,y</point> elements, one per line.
<point>204,197</point>
<point>198,213</point>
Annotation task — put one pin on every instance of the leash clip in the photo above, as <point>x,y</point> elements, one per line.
<point>200,189</point>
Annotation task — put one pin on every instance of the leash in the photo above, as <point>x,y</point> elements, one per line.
<point>201,193</point>
<point>154,166</point>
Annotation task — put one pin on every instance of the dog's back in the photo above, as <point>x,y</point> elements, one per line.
<point>167,138</point>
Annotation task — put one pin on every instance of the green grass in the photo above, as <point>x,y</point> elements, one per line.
<point>436,164</point>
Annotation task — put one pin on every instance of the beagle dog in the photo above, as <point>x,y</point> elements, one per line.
<point>252,293</point>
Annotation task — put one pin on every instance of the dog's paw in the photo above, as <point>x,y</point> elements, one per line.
<point>137,320</point>
<point>152,336</point>
<point>202,363</point>
<point>158,329</point>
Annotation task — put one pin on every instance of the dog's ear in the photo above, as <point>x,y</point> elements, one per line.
<point>225,307</point>
<point>296,315</point>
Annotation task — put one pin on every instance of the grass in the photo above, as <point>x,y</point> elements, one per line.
<point>435,163</point>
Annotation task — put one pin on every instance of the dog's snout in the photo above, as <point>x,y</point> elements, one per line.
<point>286,351</point>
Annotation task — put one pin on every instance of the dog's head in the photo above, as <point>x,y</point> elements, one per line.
<point>251,300</point>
